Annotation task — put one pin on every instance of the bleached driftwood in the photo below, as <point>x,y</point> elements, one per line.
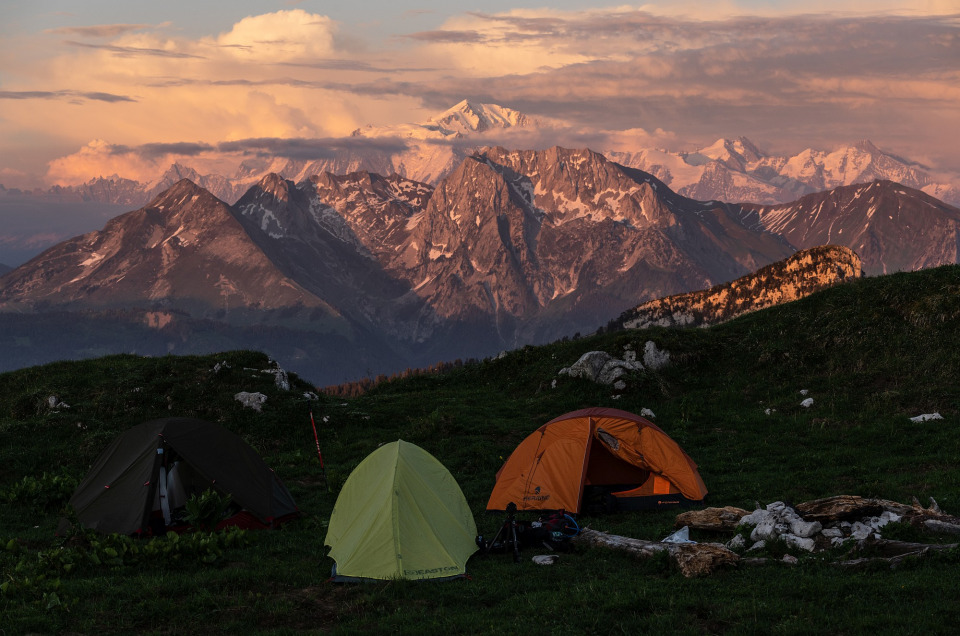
<point>693,559</point>
<point>846,507</point>
<point>941,527</point>
<point>890,553</point>
<point>724,519</point>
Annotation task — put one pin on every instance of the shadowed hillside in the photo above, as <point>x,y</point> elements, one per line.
<point>870,354</point>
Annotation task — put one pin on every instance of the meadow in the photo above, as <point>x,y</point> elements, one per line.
<point>871,353</point>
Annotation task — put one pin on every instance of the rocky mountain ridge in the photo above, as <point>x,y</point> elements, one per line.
<point>800,275</point>
<point>512,248</point>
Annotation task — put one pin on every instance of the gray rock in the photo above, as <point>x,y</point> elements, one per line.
<point>600,367</point>
<point>251,400</point>
<point>801,543</point>
<point>654,358</point>
<point>802,528</point>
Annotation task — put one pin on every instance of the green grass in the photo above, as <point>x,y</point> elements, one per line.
<point>871,354</point>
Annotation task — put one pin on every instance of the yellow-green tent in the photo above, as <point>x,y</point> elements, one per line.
<point>400,515</point>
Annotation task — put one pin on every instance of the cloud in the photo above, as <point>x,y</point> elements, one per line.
<point>66,94</point>
<point>146,162</point>
<point>617,76</point>
<point>447,36</point>
<point>99,31</point>
<point>129,51</point>
<point>318,148</point>
<point>281,36</point>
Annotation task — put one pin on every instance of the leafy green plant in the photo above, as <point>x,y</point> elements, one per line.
<point>50,490</point>
<point>205,510</point>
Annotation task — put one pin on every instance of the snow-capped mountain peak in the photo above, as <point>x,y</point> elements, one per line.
<point>468,117</point>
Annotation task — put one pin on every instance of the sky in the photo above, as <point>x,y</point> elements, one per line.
<point>100,87</point>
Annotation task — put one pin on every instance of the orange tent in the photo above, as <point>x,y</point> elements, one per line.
<point>613,457</point>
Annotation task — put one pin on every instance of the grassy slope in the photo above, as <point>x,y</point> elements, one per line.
<point>871,354</point>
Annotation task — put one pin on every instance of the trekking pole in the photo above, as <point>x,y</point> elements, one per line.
<point>316,438</point>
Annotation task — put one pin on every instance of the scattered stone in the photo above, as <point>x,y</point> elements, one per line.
<point>807,403</point>
<point>738,542</point>
<point>770,411</point>
<point>55,404</point>
<point>804,391</point>
<point>800,543</point>
<point>926,417</point>
<point>647,413</point>
<point>218,367</point>
<point>280,377</point>
<point>600,367</point>
<point>789,559</point>
<point>654,358</point>
<point>546,559</point>
<point>860,530</point>
<point>780,521</point>
<point>251,400</point>
<point>310,395</point>
<point>619,385</point>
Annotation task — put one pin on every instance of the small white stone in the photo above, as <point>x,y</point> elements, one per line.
<point>807,403</point>
<point>805,529</point>
<point>801,543</point>
<point>860,531</point>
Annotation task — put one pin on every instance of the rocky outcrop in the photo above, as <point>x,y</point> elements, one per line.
<point>800,275</point>
<point>601,367</point>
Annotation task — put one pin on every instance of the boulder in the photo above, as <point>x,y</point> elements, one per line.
<point>251,400</point>
<point>600,367</point>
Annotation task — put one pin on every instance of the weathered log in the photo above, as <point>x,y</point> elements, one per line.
<point>941,527</point>
<point>892,562</point>
<point>848,507</point>
<point>851,507</point>
<point>890,548</point>
<point>715,519</point>
<point>693,559</point>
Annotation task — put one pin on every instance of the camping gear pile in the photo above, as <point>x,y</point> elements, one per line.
<point>400,513</point>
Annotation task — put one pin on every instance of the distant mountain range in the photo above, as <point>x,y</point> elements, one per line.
<point>342,276</point>
<point>727,170</point>
<point>733,170</point>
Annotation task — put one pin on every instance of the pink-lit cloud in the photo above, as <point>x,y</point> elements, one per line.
<point>672,74</point>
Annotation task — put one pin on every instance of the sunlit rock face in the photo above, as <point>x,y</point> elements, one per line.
<point>802,274</point>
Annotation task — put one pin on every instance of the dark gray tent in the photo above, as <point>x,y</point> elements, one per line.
<point>150,470</point>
